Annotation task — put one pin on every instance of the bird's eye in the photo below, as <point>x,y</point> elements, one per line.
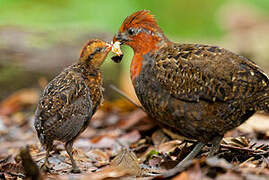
<point>131,31</point>
<point>98,50</point>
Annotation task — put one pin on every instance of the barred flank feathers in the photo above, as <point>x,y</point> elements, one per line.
<point>266,103</point>
<point>263,102</point>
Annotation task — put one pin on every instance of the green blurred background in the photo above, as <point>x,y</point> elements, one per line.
<point>39,38</point>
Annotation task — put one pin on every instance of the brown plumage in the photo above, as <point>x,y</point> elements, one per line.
<point>196,91</point>
<point>70,99</point>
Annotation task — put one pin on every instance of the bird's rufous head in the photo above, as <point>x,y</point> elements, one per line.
<point>94,52</point>
<point>140,31</point>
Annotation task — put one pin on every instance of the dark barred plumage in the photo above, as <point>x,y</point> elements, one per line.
<point>70,99</point>
<point>199,97</point>
<point>196,91</point>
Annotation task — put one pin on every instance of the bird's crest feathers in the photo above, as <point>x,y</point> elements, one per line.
<point>141,18</point>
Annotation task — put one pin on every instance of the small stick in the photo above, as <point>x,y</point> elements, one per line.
<point>246,161</point>
<point>120,92</point>
<point>243,149</point>
<point>258,152</point>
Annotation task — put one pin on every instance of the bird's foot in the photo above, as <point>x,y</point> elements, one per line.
<point>45,167</point>
<point>75,170</point>
<point>215,146</point>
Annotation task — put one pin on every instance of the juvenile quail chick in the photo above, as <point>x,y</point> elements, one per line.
<point>70,99</point>
<point>196,91</point>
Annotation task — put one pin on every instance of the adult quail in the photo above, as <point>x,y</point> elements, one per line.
<point>194,90</point>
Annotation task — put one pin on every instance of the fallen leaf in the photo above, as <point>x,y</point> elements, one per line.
<point>18,100</point>
<point>229,176</point>
<point>130,137</point>
<point>12,168</point>
<point>98,157</point>
<point>109,172</point>
<point>132,118</point>
<point>258,122</point>
<point>182,176</point>
<point>195,172</point>
<point>158,137</point>
<point>222,163</point>
<point>127,161</point>
<point>170,146</point>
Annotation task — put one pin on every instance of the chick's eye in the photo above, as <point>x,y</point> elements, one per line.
<point>98,50</point>
<point>131,31</point>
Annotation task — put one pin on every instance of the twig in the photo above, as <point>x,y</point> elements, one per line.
<point>243,149</point>
<point>120,92</point>
<point>246,161</point>
<point>258,152</point>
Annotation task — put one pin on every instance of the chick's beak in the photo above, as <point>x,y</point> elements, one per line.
<point>121,37</point>
<point>108,47</point>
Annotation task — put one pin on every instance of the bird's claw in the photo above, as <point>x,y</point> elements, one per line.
<point>45,167</point>
<point>75,170</point>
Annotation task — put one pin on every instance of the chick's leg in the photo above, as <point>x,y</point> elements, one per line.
<point>69,148</point>
<point>45,165</point>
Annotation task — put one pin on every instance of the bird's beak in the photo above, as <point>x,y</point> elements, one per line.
<point>108,47</point>
<point>121,37</point>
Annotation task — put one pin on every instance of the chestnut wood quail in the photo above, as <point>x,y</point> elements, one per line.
<point>70,99</point>
<point>196,91</point>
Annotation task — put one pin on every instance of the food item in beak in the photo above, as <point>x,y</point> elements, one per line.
<point>115,48</point>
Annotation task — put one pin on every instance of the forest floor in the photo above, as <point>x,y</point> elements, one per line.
<point>121,142</point>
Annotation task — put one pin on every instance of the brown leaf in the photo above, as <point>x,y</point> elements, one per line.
<point>215,162</point>
<point>257,123</point>
<point>16,101</point>
<point>195,172</point>
<point>13,168</point>
<point>109,172</point>
<point>120,105</point>
<point>105,140</point>
<point>98,157</point>
<point>182,176</point>
<point>130,137</point>
<point>158,137</point>
<point>127,161</point>
<point>132,119</point>
<point>229,176</point>
<point>170,146</point>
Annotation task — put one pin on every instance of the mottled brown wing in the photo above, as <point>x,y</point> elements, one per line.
<point>192,72</point>
<point>64,107</point>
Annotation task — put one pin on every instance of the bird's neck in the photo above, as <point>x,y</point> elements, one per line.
<point>87,69</point>
<point>143,46</point>
<point>93,79</point>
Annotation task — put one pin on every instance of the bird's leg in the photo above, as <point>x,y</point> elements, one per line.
<point>215,145</point>
<point>69,148</point>
<point>191,155</point>
<point>185,162</point>
<point>45,165</point>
